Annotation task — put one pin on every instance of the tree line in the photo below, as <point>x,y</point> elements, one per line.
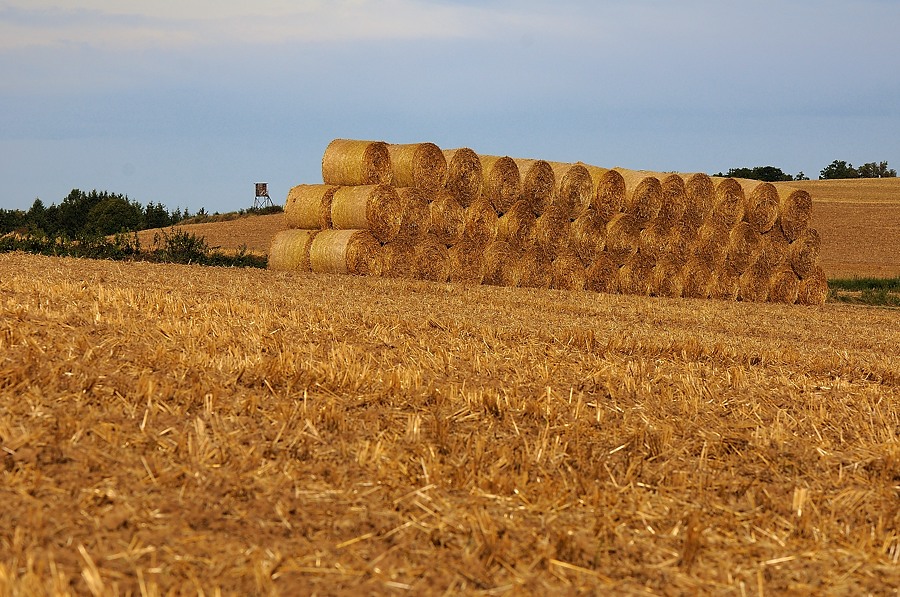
<point>836,169</point>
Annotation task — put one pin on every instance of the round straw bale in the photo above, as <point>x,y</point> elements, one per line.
<point>415,212</point>
<point>567,271</point>
<point>397,259</point>
<point>674,198</point>
<point>623,236</point>
<point>813,288</point>
<point>466,262</point>
<point>538,184</point>
<point>481,222</point>
<point>795,209</point>
<point>681,241</point>
<point>635,274</point>
<point>803,253</point>
<point>308,206</point>
<point>498,264</point>
<point>552,229</point>
<point>784,286</point>
<point>602,275</point>
<point>667,277</point>
<point>420,165</point>
<point>711,244</point>
<point>697,276</point>
<point>432,260</point>
<point>376,208</point>
<point>608,197</point>
<point>754,284</point>
<point>760,204</point>
<point>587,235</point>
<point>724,285</point>
<point>643,194</point>
<point>773,248</point>
<point>465,176</point>
<point>656,237</point>
<point>728,208</point>
<point>744,248</point>
<point>344,252</point>
<point>700,194</point>
<point>290,250</point>
<point>574,187</point>
<point>447,218</point>
<point>517,226</point>
<point>502,182</point>
<point>351,162</point>
<point>533,269</point>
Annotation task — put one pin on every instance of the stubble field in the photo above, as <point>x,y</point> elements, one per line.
<point>176,429</point>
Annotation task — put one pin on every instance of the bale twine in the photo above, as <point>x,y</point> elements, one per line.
<point>813,288</point>
<point>574,188</point>
<point>308,206</point>
<point>517,226</point>
<point>773,248</point>
<point>635,274</point>
<point>760,204</point>
<point>502,182</point>
<point>464,175</point>
<point>697,275</point>
<point>552,230</point>
<point>643,194</point>
<point>674,198</point>
<point>785,286</point>
<point>803,253</point>
<point>602,275</point>
<point>623,235</point>
<point>795,210</point>
<point>608,196</point>
<point>376,208</point>
<point>481,222</point>
<point>744,248</point>
<point>724,285</point>
<point>711,244</point>
<point>415,212</point>
<point>728,207</point>
<point>538,184</point>
<point>351,162</point>
<point>447,218</point>
<point>290,250</point>
<point>587,235</point>
<point>344,252</point>
<point>656,237</point>
<point>754,284</point>
<point>667,277</point>
<point>466,262</point>
<point>533,269</point>
<point>431,260</point>
<point>567,271</point>
<point>498,264</point>
<point>421,165</point>
<point>700,194</point>
<point>397,259</point>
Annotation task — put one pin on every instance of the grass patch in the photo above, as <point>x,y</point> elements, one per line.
<point>883,292</point>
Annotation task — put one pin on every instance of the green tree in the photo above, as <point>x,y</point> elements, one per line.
<point>876,170</point>
<point>838,169</point>
<point>113,214</point>
<point>764,173</point>
<point>11,219</point>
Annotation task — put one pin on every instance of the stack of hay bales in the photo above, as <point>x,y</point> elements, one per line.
<point>417,211</point>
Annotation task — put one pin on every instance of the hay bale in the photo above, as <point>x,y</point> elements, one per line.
<point>465,176</point>
<point>421,165</point>
<point>760,204</point>
<point>803,253</point>
<point>499,264</point>
<point>567,271</point>
<point>538,184</point>
<point>813,288</point>
<point>532,269</point>
<point>744,248</point>
<point>397,259</point>
<point>587,235</point>
<point>795,210</point>
<point>602,275</point>
<point>681,242</point>
<point>608,196</point>
<point>773,248</point>
<point>376,208</point>
<point>754,284</point>
<point>623,236</point>
<point>447,218</point>
<point>344,252</point>
<point>517,226</point>
<point>415,212</point>
<point>724,285</point>
<point>502,182</point>
<point>700,194</point>
<point>552,229</point>
<point>352,162</point>
<point>431,260</point>
<point>697,275</point>
<point>674,198</point>
<point>728,207</point>
<point>656,237</point>
<point>290,250</point>
<point>711,244</point>
<point>643,194</point>
<point>784,286</point>
<point>481,222</point>
<point>574,188</point>
<point>308,206</point>
<point>667,277</point>
<point>466,262</point>
<point>635,274</point>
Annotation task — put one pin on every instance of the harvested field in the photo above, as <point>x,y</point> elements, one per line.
<point>254,232</point>
<point>178,429</point>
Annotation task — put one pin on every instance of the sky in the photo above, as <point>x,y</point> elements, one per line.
<point>188,103</point>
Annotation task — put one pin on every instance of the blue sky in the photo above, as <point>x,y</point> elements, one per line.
<point>189,102</point>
